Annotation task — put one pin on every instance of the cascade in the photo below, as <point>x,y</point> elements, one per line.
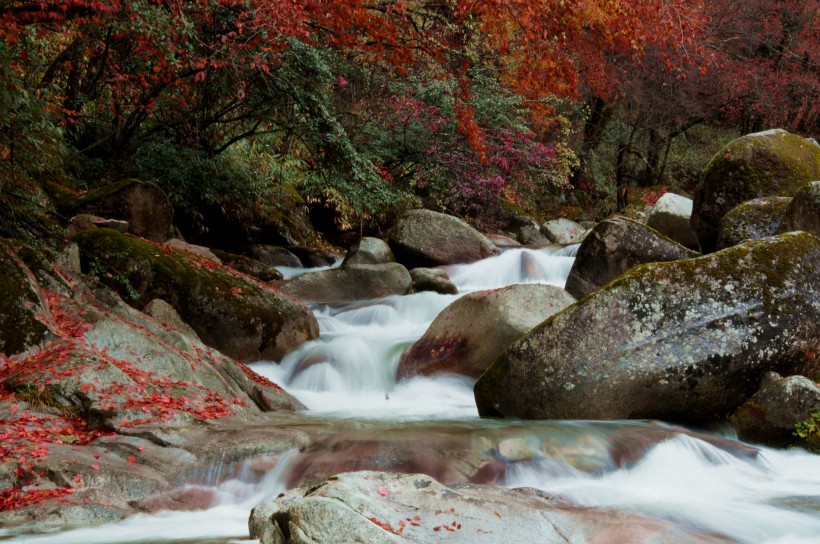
<point>346,378</point>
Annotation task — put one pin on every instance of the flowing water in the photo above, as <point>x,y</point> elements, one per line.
<point>702,480</point>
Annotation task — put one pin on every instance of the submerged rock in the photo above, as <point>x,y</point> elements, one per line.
<point>468,335</point>
<point>751,220</point>
<point>764,164</point>
<point>681,341</point>
<point>237,315</point>
<point>349,283</point>
<point>376,507</point>
<point>614,246</point>
<point>426,238</point>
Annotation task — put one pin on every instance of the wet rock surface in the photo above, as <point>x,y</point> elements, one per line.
<point>681,341</point>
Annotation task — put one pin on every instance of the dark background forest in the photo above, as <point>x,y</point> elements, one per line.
<point>241,109</point>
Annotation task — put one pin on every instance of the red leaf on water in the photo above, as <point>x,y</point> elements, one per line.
<point>383,491</point>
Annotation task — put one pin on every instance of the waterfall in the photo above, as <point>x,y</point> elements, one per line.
<point>346,378</point>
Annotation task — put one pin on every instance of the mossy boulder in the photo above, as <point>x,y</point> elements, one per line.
<point>143,205</point>
<point>764,164</point>
<point>241,317</point>
<point>614,246</point>
<point>770,416</point>
<point>349,283</point>
<point>751,220</point>
<point>468,335</point>
<point>22,305</point>
<point>685,340</point>
<point>804,211</point>
<point>427,238</point>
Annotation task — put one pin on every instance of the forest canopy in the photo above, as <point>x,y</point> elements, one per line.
<point>368,107</point>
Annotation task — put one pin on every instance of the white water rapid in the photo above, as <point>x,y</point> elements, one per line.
<point>709,482</point>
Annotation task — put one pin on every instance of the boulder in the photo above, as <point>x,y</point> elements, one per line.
<point>614,246</point>
<point>670,217</point>
<point>116,368</point>
<point>22,305</point>
<point>764,164</point>
<point>563,231</point>
<point>369,250</point>
<point>679,341</point>
<point>350,283</point>
<point>804,211</point>
<point>468,335</point>
<point>751,220</point>
<point>251,267</point>
<point>424,238</point>
<point>143,205</point>
<point>530,235</point>
<point>770,416</point>
<point>275,256</point>
<point>243,318</point>
<point>432,279</point>
<point>377,507</point>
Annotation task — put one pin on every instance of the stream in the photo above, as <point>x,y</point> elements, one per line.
<point>703,479</point>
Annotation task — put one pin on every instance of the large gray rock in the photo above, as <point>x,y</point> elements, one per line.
<point>427,238</point>
<point>349,283</point>
<point>531,235</point>
<point>369,250</point>
<point>751,220</point>
<point>22,305</point>
<point>804,211</point>
<point>680,341</point>
<point>468,335</point>
<point>376,507</point>
<point>563,231</point>
<point>764,164</point>
<point>241,317</point>
<point>670,217</point>
<point>614,246</point>
<point>770,416</point>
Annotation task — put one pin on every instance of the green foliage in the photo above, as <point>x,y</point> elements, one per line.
<point>809,429</point>
<point>102,268</point>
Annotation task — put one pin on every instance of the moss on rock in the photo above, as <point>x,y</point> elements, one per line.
<point>686,340</point>
<point>242,318</point>
<point>764,164</point>
<point>22,308</point>
<point>751,220</point>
